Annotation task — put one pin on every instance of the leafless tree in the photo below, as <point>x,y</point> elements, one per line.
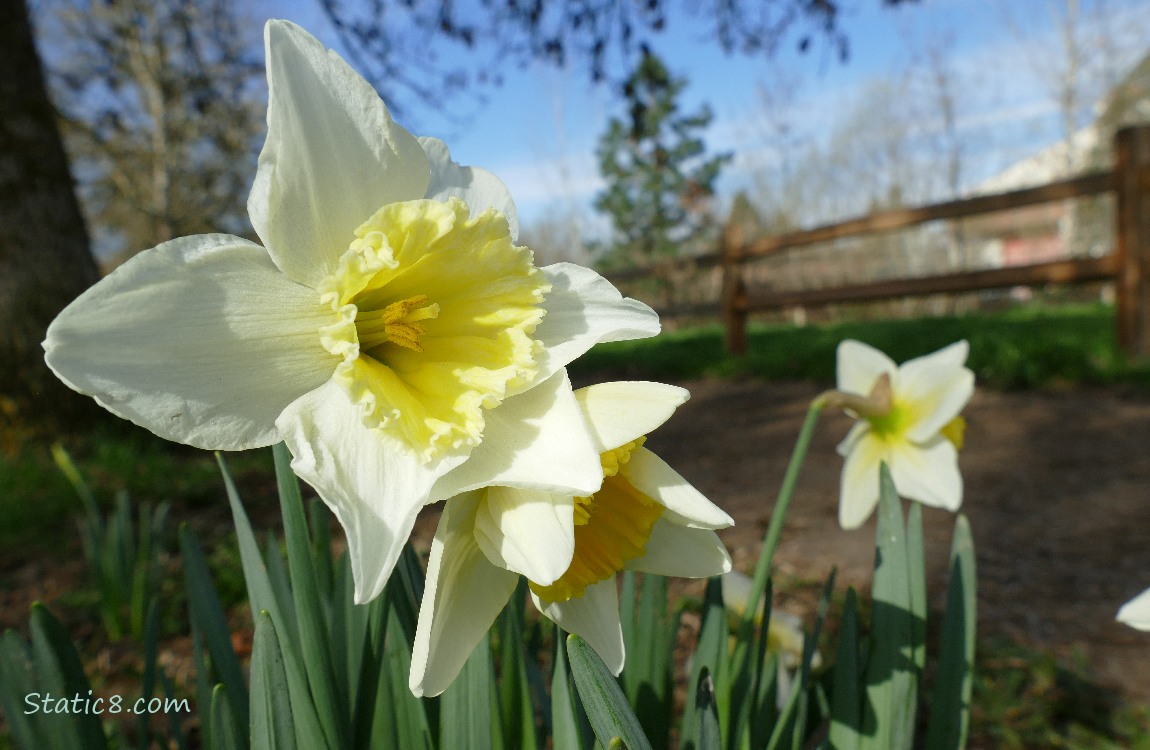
<point>44,256</point>
<point>162,114</point>
<point>393,42</point>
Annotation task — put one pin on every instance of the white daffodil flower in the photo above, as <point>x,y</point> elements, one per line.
<point>909,419</point>
<point>645,517</point>
<point>1136,612</point>
<point>386,315</point>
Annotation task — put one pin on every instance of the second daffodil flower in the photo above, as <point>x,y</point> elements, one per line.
<point>908,418</point>
<point>645,517</point>
<point>385,317</point>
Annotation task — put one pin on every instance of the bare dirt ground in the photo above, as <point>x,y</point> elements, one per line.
<point>1057,493</point>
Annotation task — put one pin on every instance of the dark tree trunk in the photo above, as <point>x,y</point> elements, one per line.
<point>45,259</point>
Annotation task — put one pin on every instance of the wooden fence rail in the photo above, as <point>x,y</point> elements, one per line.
<point>1128,266</point>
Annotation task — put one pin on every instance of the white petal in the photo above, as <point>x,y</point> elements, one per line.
<point>857,430</point>
<point>537,440</point>
<point>620,412</point>
<point>584,309</point>
<point>927,473</point>
<point>952,357</point>
<point>674,550</point>
<point>936,388</point>
<point>475,186</point>
<point>201,340</point>
<point>373,484</point>
<point>332,157</point>
<point>859,366</point>
<point>462,596</point>
<point>594,617</point>
<point>858,494</point>
<point>685,505</point>
<point>529,532</point>
<point>1136,612</point>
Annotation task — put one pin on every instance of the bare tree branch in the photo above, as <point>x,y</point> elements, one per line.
<point>391,42</point>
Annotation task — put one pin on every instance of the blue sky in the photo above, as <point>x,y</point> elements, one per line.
<point>538,130</point>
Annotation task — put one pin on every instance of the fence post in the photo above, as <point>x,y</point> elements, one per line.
<point>734,291</point>
<point>1132,183</point>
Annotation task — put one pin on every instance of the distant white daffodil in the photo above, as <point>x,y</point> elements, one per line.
<point>1136,612</point>
<point>908,418</point>
<point>645,517</point>
<point>386,316</point>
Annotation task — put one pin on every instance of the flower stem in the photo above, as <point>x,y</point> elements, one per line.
<point>778,515</point>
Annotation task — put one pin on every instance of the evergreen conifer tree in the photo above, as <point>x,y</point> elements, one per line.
<point>659,178</point>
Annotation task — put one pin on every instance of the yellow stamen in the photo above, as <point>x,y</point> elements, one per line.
<point>398,323</point>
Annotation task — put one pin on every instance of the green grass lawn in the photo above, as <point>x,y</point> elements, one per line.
<point>1023,347</point>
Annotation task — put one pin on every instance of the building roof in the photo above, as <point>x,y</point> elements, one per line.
<point>1058,161</point>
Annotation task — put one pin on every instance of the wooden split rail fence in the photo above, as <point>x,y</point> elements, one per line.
<point>1127,265</point>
